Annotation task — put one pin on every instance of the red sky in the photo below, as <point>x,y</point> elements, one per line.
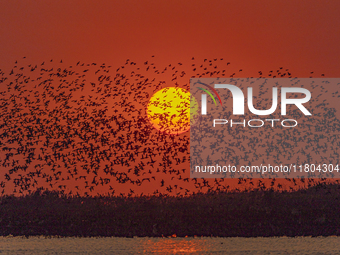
<point>301,36</point>
<point>253,35</point>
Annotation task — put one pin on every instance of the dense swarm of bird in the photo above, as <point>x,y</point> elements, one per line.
<point>83,129</point>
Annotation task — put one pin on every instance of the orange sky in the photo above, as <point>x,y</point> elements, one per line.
<point>252,35</point>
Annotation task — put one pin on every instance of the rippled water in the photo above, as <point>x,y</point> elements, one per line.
<point>146,245</point>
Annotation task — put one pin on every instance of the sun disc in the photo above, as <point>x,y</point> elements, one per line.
<point>171,109</point>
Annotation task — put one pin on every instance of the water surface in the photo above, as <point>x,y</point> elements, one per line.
<point>146,245</point>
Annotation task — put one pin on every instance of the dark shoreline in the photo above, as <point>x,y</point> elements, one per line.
<point>308,212</point>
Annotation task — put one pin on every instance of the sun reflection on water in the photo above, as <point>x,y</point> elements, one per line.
<point>175,245</point>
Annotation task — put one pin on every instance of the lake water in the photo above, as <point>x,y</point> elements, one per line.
<point>146,245</point>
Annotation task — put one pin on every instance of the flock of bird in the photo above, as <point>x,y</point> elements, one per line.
<point>83,129</point>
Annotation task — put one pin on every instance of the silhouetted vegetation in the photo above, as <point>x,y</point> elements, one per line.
<point>313,211</point>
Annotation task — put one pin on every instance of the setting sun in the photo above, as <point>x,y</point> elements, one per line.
<point>169,110</point>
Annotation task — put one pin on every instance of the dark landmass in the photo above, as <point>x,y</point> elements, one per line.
<point>307,212</point>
